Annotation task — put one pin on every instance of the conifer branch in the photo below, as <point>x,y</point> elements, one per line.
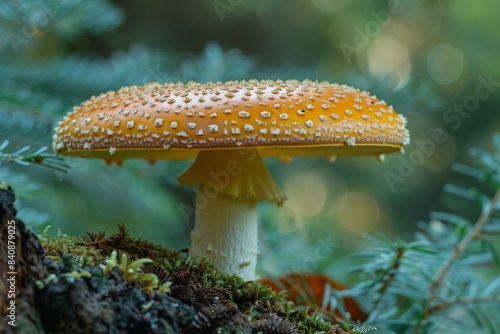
<point>390,274</point>
<point>26,156</point>
<point>452,259</point>
<point>463,301</point>
<point>460,248</point>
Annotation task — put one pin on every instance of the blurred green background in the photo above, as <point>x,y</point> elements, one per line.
<point>436,62</point>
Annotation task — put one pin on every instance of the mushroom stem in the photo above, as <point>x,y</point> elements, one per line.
<point>226,231</point>
<point>231,182</point>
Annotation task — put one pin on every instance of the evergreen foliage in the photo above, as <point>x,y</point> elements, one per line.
<point>25,156</point>
<point>446,280</point>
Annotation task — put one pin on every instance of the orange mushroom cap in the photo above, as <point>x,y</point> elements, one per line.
<point>174,121</point>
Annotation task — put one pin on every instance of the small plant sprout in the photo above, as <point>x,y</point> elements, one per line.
<point>228,127</point>
<point>132,271</point>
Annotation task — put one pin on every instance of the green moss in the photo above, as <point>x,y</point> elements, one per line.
<point>61,244</point>
<point>309,323</point>
<point>159,270</point>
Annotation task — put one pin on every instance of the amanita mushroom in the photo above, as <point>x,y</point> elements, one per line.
<point>229,127</point>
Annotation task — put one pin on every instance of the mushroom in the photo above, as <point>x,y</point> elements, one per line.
<point>228,127</point>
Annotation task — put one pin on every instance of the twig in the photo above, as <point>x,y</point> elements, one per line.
<point>24,157</point>
<point>478,300</point>
<point>391,273</point>
<point>455,255</point>
<point>460,248</point>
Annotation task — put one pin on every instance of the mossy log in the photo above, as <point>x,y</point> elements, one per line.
<point>104,285</point>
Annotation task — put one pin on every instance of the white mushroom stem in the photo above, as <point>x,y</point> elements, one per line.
<point>231,182</point>
<point>226,231</point>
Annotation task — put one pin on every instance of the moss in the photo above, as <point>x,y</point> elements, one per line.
<point>59,245</point>
<point>226,302</point>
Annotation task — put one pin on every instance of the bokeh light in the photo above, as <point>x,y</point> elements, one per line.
<point>388,57</point>
<point>445,63</point>
<point>306,194</point>
<point>358,212</point>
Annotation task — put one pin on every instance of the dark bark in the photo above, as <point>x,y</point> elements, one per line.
<point>28,268</point>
